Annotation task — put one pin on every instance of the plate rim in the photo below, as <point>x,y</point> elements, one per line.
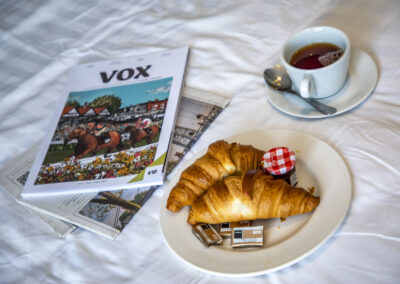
<point>315,246</point>
<point>317,115</point>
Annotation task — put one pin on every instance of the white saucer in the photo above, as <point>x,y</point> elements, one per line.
<point>362,78</point>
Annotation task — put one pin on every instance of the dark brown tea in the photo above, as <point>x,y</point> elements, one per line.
<point>316,55</point>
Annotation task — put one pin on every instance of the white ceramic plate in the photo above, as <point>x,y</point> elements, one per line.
<point>362,78</point>
<point>318,166</point>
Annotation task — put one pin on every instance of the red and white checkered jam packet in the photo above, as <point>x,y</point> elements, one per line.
<point>278,161</point>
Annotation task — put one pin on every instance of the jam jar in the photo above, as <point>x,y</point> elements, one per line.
<point>280,162</point>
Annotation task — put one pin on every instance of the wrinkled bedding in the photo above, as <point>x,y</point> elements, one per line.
<point>231,44</point>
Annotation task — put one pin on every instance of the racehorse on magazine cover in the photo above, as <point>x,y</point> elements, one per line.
<point>137,134</point>
<point>91,144</point>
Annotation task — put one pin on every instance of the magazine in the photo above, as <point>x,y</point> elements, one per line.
<point>113,127</point>
<point>107,213</point>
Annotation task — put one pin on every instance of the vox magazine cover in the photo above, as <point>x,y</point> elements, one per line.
<point>113,128</point>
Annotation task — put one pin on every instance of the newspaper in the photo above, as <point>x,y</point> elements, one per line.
<point>113,126</point>
<point>107,213</point>
<point>12,180</point>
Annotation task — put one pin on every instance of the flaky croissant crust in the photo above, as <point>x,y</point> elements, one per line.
<point>250,197</point>
<point>221,160</point>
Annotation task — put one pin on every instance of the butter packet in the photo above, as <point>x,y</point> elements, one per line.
<point>248,237</point>
<point>225,229</point>
<point>207,234</point>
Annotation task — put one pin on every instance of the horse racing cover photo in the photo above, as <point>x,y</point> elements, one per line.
<point>106,133</point>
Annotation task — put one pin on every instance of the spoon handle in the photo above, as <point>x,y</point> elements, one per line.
<point>325,109</point>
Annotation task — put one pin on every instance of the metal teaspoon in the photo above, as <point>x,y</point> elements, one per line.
<point>280,81</point>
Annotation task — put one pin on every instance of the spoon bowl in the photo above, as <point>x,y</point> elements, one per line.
<point>281,82</point>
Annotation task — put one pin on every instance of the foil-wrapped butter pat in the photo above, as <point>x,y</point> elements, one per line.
<point>207,234</point>
<point>248,236</point>
<point>225,229</point>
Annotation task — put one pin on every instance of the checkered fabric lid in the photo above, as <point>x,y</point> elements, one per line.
<point>278,161</point>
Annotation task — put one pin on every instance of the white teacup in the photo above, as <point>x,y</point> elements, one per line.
<point>321,82</point>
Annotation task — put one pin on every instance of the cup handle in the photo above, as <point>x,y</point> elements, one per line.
<point>306,86</point>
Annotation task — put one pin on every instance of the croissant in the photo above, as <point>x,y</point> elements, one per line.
<point>221,160</point>
<point>252,196</point>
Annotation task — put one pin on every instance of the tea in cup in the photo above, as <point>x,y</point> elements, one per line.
<point>317,61</point>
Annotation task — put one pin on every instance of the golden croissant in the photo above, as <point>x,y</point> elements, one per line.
<point>252,196</point>
<point>221,160</point>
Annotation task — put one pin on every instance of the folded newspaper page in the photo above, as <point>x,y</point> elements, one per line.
<point>12,180</point>
<point>113,126</point>
<point>107,213</point>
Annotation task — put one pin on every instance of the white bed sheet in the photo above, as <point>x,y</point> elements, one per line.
<point>232,42</point>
